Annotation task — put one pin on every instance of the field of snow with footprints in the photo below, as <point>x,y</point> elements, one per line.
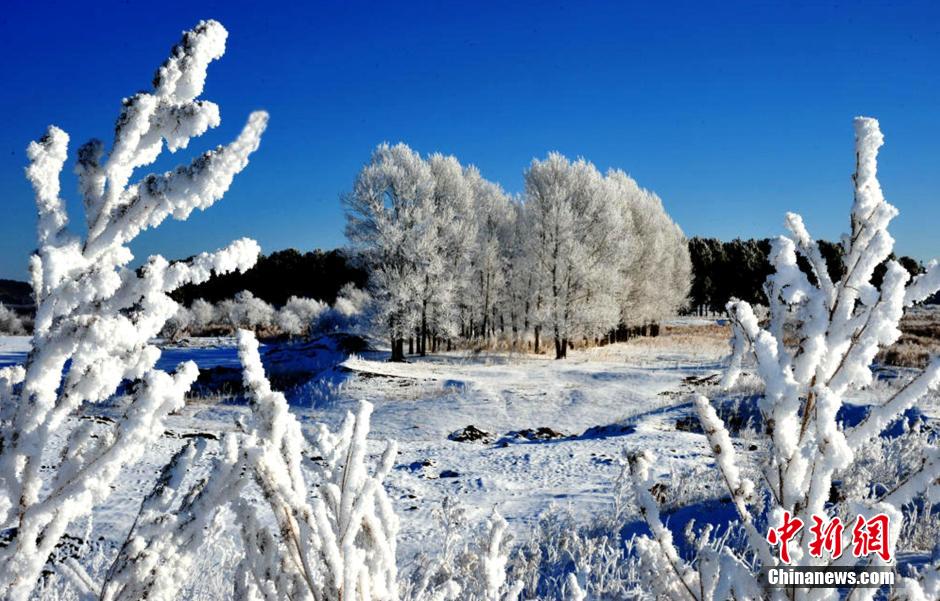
<point>549,433</point>
<point>519,433</point>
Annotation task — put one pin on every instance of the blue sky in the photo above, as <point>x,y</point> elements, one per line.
<point>733,113</point>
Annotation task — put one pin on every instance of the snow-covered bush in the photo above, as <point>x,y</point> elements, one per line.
<point>176,519</point>
<point>96,314</point>
<point>351,313</point>
<point>560,549</point>
<point>204,314</point>
<point>298,317</point>
<point>332,538</point>
<point>179,325</point>
<point>10,322</point>
<point>466,569</point>
<point>814,466</point>
<point>298,314</point>
<point>246,310</point>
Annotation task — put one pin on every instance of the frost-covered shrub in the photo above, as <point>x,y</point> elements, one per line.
<point>11,323</point>
<point>204,314</point>
<point>331,538</point>
<point>813,466</point>
<point>247,311</point>
<point>351,313</point>
<point>560,548</point>
<point>298,315</point>
<point>96,314</point>
<point>179,325</point>
<point>466,569</point>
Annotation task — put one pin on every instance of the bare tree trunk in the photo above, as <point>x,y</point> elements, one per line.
<point>398,347</point>
<point>537,331</point>
<point>423,338</point>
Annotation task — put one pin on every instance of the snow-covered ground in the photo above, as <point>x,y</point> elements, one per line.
<point>601,406</point>
<point>594,399</point>
<point>600,401</point>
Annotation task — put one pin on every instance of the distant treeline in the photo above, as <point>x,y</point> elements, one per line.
<point>739,268</point>
<point>720,271</point>
<point>16,295</point>
<point>277,277</point>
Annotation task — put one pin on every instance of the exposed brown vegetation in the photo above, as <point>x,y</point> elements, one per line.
<point>920,339</point>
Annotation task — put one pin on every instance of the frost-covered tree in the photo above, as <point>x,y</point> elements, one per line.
<point>179,325</point>
<point>351,313</point>
<point>298,315</point>
<point>96,314</point>
<point>449,251</point>
<point>203,314</point>
<point>657,270</point>
<point>494,223</point>
<point>388,221</point>
<point>823,356</point>
<point>415,221</point>
<point>452,225</point>
<point>520,294</point>
<point>246,310</point>
<point>577,241</point>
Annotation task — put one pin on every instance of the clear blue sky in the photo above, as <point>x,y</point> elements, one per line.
<point>732,113</point>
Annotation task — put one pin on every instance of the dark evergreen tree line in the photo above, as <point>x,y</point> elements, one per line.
<point>738,269</point>
<point>276,277</point>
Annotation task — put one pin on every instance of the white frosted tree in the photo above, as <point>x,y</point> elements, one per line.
<point>387,220</point>
<point>657,269</point>
<point>577,241</point>
<point>10,322</point>
<point>448,250</point>
<point>520,294</point>
<point>179,325</point>
<point>450,224</point>
<point>203,314</point>
<point>96,314</point>
<point>494,221</point>
<point>298,315</point>
<point>245,310</point>
<point>834,329</point>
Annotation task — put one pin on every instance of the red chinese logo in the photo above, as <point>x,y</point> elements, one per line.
<point>782,535</point>
<point>828,538</point>
<point>869,536</point>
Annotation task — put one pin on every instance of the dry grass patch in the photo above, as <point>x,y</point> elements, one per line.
<point>920,339</point>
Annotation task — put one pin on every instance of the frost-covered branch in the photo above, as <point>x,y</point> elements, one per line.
<point>681,581</point>
<point>173,523</point>
<point>96,314</point>
<point>816,353</point>
<point>333,542</point>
